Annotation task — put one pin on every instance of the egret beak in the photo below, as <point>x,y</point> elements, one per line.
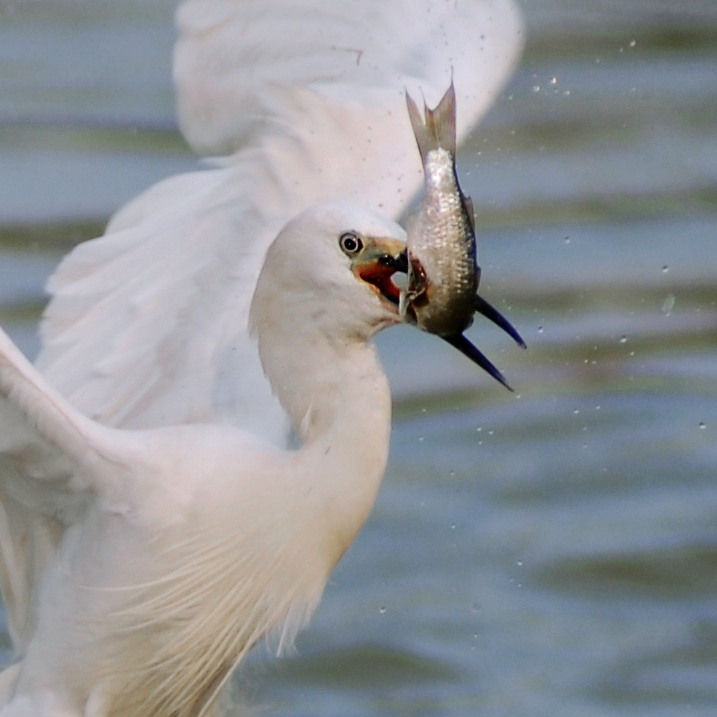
<point>477,356</point>
<point>380,263</point>
<point>474,354</point>
<point>397,263</point>
<point>483,307</point>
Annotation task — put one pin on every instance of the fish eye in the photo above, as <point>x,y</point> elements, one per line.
<point>350,243</point>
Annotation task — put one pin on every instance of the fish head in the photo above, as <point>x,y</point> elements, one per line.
<point>440,308</point>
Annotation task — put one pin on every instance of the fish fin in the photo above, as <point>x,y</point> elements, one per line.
<point>442,121</point>
<point>423,138</point>
<point>483,307</point>
<point>461,343</point>
<point>437,129</point>
<point>470,212</point>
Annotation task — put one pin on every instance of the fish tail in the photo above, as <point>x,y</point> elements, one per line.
<point>438,129</point>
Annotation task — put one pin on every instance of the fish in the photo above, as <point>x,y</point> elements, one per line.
<point>441,292</point>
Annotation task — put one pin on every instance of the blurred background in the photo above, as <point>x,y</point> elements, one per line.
<point>547,552</point>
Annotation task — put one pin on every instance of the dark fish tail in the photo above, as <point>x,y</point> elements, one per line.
<point>438,130</point>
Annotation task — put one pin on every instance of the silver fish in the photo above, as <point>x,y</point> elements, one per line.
<point>443,273</point>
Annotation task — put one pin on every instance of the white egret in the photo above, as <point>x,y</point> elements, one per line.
<point>153,526</point>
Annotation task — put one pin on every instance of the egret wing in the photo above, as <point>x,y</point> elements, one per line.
<point>148,324</point>
<point>232,56</point>
<point>45,446</point>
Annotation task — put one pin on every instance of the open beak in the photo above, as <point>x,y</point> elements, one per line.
<point>460,342</point>
<point>379,267</point>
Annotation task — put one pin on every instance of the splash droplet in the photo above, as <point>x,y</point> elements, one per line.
<point>668,304</point>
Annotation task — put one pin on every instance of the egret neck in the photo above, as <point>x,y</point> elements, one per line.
<point>328,378</point>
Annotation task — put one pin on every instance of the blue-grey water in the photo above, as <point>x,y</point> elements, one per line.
<point>548,552</point>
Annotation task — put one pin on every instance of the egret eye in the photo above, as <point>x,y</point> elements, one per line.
<point>350,244</point>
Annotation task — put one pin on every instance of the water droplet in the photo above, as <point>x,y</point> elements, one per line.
<point>567,240</point>
<point>553,80</point>
<point>566,92</point>
<point>703,425</point>
<point>382,610</point>
<point>623,339</point>
<point>520,563</point>
<point>665,269</point>
<point>668,304</point>
<point>633,43</point>
<point>421,439</point>
<point>536,88</point>
<point>576,411</point>
<point>540,329</point>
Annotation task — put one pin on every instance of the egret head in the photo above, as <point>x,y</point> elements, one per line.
<point>333,263</point>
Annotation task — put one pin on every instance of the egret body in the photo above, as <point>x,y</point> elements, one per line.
<point>198,540</point>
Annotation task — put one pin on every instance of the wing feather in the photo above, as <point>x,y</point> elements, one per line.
<point>45,448</point>
<point>148,324</point>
